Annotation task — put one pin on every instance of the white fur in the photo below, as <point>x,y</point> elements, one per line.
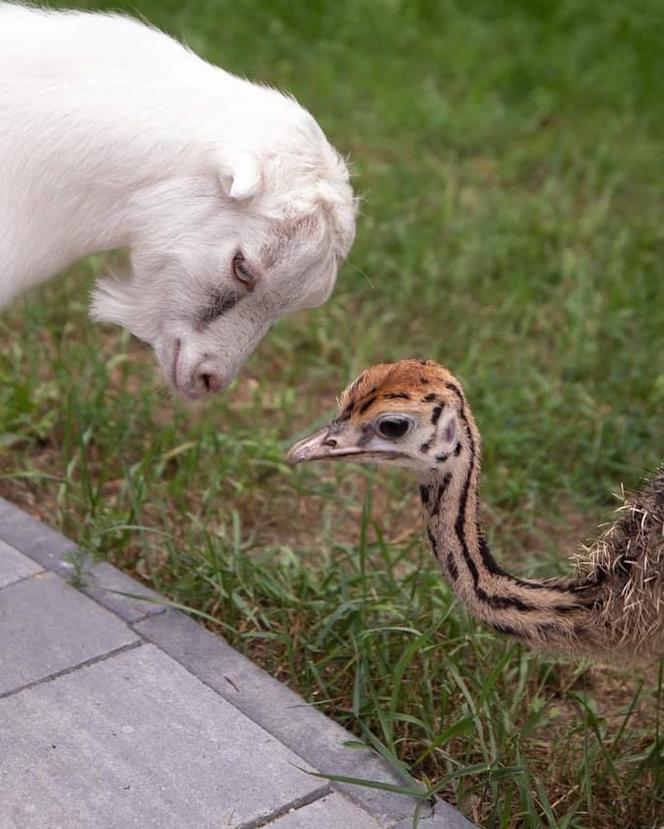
<point>114,135</point>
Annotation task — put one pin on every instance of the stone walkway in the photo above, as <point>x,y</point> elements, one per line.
<point>116,712</point>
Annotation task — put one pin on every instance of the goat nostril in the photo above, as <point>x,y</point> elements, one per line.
<point>211,381</point>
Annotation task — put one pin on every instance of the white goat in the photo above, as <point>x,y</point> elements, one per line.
<point>234,207</point>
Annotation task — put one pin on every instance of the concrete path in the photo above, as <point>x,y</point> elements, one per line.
<point>116,712</point>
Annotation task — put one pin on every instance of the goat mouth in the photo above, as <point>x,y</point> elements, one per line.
<point>174,365</point>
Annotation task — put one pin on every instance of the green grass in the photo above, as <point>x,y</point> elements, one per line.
<point>510,159</point>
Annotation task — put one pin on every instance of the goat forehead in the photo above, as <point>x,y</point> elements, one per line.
<point>292,237</point>
<point>301,268</point>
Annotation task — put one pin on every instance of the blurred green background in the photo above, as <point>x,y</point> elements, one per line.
<point>509,156</point>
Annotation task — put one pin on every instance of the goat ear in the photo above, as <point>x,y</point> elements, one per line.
<point>245,177</point>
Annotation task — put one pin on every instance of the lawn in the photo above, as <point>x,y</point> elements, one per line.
<point>509,155</point>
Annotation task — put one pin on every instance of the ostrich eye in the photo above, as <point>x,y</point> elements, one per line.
<point>393,427</point>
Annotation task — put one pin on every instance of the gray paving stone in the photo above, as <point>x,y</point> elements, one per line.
<point>47,627</point>
<point>105,584</point>
<point>331,812</point>
<point>137,741</point>
<point>14,566</point>
<point>444,817</point>
<point>305,730</point>
<point>41,543</point>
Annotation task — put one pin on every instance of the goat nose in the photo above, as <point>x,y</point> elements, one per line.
<point>211,381</point>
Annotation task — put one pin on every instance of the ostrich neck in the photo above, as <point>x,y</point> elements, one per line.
<point>554,613</point>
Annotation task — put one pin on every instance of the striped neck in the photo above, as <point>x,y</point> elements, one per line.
<point>554,614</point>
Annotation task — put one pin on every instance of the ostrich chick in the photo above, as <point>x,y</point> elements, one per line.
<point>414,414</point>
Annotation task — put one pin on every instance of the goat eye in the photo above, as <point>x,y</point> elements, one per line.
<point>242,272</point>
<point>393,427</point>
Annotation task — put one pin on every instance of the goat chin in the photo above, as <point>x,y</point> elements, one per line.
<point>113,135</point>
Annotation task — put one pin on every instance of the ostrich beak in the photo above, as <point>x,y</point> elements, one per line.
<point>315,447</point>
<point>325,444</point>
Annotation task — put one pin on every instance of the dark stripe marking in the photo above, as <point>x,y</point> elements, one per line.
<point>457,391</point>
<point>366,404</point>
<point>459,523</point>
<point>452,567</point>
<point>347,412</point>
<point>508,630</point>
<point>504,602</point>
<point>441,490</point>
<point>365,437</point>
<point>544,629</point>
